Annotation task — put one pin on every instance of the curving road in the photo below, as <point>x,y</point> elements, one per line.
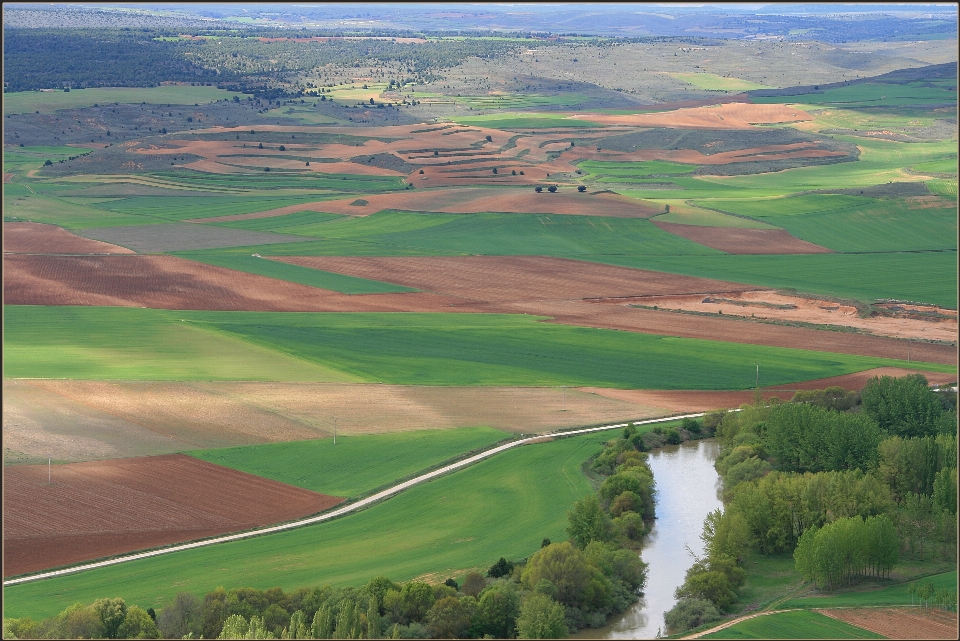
<point>352,507</point>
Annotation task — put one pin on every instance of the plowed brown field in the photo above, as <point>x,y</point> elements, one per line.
<point>168,282</point>
<point>470,201</point>
<point>512,278</point>
<point>900,623</point>
<point>103,508</point>
<point>734,115</point>
<point>734,240</point>
<point>705,401</point>
<point>36,238</point>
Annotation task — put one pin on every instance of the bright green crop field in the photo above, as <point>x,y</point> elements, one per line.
<point>357,464</point>
<point>503,506</point>
<point>402,348</point>
<point>186,206</point>
<point>297,274</point>
<point>49,101</point>
<point>801,624</point>
<point>923,277</point>
<point>713,82</point>
<point>870,94</point>
<point>393,233</point>
<point>895,595</point>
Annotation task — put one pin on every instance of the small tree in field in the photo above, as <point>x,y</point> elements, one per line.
<point>581,188</point>
<point>538,189</point>
<point>552,188</point>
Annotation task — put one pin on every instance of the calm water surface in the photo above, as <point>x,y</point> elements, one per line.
<point>686,491</point>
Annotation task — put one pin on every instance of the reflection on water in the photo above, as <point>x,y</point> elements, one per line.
<point>686,492</point>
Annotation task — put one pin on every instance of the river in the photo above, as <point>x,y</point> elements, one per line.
<point>686,492</point>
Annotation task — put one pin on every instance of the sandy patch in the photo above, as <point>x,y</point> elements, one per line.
<point>735,115</point>
<point>768,304</point>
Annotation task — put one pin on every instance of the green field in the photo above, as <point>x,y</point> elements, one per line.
<point>49,101</point>
<point>272,223</point>
<point>521,120</point>
<point>943,166</point>
<point>393,233</point>
<point>284,180</point>
<point>793,625</point>
<point>619,172</point>
<point>503,506</point>
<point>186,206</point>
<point>713,82</point>
<point>521,100</point>
<point>924,277</point>
<point>356,465</point>
<point>854,223</point>
<point>401,348</point>
<point>870,94</point>
<point>894,595</point>
<point>20,159</point>
<point>25,204</point>
<point>297,274</point>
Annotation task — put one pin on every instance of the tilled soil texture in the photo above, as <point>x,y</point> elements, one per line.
<point>486,279</point>
<point>705,401</point>
<point>90,420</point>
<point>169,282</point>
<point>36,238</point>
<point>471,201</point>
<point>900,623</point>
<point>183,236</point>
<point>904,321</point>
<point>734,115</point>
<point>734,240</point>
<point>97,509</point>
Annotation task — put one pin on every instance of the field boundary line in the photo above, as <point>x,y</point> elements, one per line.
<point>352,507</point>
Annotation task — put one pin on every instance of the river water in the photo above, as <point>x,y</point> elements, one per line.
<point>686,492</point>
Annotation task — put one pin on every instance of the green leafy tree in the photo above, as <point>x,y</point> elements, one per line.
<point>323,623</point>
<point>690,613</point>
<point>587,521</point>
<point>497,611</point>
<point>448,618</point>
<point>234,627</point>
<point>111,613</point>
<point>903,406</point>
<point>137,624</point>
<point>541,618</point>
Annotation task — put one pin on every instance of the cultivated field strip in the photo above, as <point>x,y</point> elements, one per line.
<point>353,507</point>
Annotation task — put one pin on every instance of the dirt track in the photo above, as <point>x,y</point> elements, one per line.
<point>735,240</point>
<point>104,508</point>
<point>36,238</point>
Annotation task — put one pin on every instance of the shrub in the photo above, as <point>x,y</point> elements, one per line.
<point>581,188</point>
<point>690,613</point>
<point>552,188</point>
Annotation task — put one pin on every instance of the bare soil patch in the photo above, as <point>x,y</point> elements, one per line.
<point>169,282</point>
<point>512,278</point>
<point>471,201</point>
<point>103,508</point>
<point>900,623</point>
<point>37,238</point>
<point>905,321</point>
<point>721,328</point>
<point>153,418</point>
<point>734,115</point>
<point>734,240</point>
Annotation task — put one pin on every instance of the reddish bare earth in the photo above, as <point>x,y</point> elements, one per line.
<point>96,509</point>
<point>734,115</point>
<point>36,238</point>
<point>734,240</point>
<point>705,401</point>
<point>470,201</point>
<point>168,282</point>
<point>900,623</point>
<point>487,279</point>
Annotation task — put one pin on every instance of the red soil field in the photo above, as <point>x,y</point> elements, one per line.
<point>511,278</point>
<point>168,282</point>
<point>705,401</point>
<point>102,508</point>
<point>900,623</point>
<point>735,115</point>
<point>36,238</point>
<point>735,240</point>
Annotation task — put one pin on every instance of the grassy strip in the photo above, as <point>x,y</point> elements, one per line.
<point>297,274</point>
<point>49,101</point>
<point>356,464</point>
<point>894,595</point>
<point>188,206</point>
<point>793,625</point>
<point>421,349</point>
<point>928,277</point>
<point>502,506</point>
